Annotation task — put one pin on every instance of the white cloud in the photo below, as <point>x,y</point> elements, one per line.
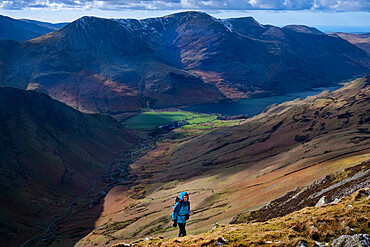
<point>343,5</point>
<point>325,5</point>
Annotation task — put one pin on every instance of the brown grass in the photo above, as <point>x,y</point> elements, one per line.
<point>350,216</point>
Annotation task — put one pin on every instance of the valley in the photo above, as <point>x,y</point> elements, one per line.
<point>218,162</point>
<point>241,168</point>
<point>104,121</point>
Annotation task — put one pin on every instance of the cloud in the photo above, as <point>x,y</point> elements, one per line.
<point>321,5</point>
<point>343,5</point>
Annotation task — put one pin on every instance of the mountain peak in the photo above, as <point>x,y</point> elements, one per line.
<point>247,20</point>
<point>191,13</point>
<point>246,26</point>
<point>85,21</point>
<point>303,29</point>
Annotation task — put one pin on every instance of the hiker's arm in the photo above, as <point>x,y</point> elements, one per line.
<point>175,211</point>
<point>188,212</point>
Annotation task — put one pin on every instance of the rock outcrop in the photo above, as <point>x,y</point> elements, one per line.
<point>358,240</point>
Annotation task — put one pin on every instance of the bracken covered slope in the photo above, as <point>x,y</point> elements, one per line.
<point>311,226</point>
<point>242,168</point>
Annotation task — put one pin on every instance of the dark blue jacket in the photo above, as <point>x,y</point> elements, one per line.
<point>181,209</point>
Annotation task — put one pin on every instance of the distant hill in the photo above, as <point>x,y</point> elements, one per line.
<point>46,24</point>
<point>22,30</point>
<point>49,154</point>
<point>117,65</point>
<point>361,40</point>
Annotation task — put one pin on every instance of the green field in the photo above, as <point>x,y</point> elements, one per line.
<point>152,119</point>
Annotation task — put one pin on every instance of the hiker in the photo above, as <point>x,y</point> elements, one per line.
<point>181,212</point>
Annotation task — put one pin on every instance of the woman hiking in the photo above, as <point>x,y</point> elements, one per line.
<point>181,212</point>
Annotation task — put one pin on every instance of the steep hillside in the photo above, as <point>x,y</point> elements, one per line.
<point>329,189</point>
<point>241,168</point>
<point>115,65</point>
<point>22,30</point>
<point>328,225</point>
<point>50,154</point>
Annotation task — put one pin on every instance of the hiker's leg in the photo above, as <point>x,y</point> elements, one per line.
<point>182,231</point>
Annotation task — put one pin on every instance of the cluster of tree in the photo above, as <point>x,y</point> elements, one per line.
<point>241,116</point>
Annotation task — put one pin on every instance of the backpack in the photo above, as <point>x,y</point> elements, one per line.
<point>177,199</point>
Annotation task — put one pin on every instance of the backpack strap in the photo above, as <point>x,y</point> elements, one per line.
<point>177,207</point>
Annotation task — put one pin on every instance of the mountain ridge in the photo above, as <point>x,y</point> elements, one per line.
<point>180,59</point>
<point>23,29</point>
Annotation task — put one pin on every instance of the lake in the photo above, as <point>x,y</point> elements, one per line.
<point>254,106</point>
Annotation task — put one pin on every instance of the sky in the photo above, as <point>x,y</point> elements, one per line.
<point>353,15</point>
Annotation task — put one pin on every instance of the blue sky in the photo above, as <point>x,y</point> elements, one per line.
<point>324,14</point>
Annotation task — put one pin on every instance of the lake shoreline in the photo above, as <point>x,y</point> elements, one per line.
<point>256,105</point>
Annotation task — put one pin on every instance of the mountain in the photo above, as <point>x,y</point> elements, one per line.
<point>46,24</point>
<point>117,65</point>
<point>233,170</point>
<point>50,154</point>
<point>361,40</point>
<point>22,30</point>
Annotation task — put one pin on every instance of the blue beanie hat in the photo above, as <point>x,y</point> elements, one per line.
<point>182,195</point>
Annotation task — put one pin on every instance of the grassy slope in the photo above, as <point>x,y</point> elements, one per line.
<point>323,224</point>
<point>230,170</point>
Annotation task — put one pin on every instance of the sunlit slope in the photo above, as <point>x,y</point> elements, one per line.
<point>235,169</point>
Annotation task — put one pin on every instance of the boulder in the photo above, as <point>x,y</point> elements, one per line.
<point>215,225</point>
<point>322,201</point>
<point>336,200</point>
<point>221,241</point>
<point>358,240</point>
<point>302,244</point>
